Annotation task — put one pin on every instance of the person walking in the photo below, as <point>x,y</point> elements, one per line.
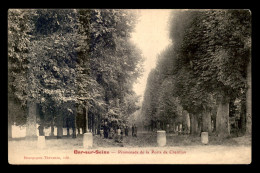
<point>106,130</point>
<point>111,133</point>
<point>126,130</point>
<point>118,134</point>
<point>121,135</point>
<point>41,130</point>
<point>133,129</point>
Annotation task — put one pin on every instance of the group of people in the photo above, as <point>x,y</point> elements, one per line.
<point>116,132</point>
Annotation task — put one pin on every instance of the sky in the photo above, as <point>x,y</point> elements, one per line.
<point>151,36</point>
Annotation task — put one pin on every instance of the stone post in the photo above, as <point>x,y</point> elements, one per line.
<point>161,138</point>
<point>205,137</point>
<point>87,140</point>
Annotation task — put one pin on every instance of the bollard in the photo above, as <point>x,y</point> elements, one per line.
<point>161,138</point>
<point>204,137</point>
<point>41,142</point>
<point>87,140</point>
<point>101,133</point>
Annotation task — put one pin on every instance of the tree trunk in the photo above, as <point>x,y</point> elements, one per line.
<point>163,125</point>
<point>9,128</point>
<point>174,127</point>
<point>98,125</point>
<point>52,127</point>
<point>249,101</point>
<point>93,123</point>
<point>206,122</point>
<point>90,123</point>
<point>86,115</point>
<point>52,130</point>
<point>59,126</point>
<point>199,125</point>
<point>222,118</point>
<point>78,123</point>
<point>180,127</point>
<point>186,122</point>
<point>84,130</point>
<point>194,124</point>
<point>74,127</point>
<point>68,130</point>
<point>214,124</point>
<point>9,121</point>
<point>59,131</point>
<point>242,122</point>
<point>31,130</point>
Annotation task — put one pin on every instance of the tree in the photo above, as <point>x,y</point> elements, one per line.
<point>160,104</point>
<point>81,66</point>
<point>209,64</point>
<point>113,59</point>
<point>149,106</point>
<point>19,28</point>
<point>215,48</point>
<point>53,62</point>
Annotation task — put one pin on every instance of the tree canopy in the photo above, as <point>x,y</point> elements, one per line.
<point>206,63</point>
<point>64,59</point>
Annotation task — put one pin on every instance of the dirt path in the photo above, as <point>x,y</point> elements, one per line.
<point>141,150</point>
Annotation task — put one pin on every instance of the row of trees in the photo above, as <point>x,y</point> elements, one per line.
<point>73,67</point>
<point>205,74</point>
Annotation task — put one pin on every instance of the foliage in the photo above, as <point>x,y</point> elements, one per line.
<point>18,42</point>
<point>64,59</point>
<point>216,48</point>
<point>207,60</point>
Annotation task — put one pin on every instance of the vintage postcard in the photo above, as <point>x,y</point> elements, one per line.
<point>129,86</point>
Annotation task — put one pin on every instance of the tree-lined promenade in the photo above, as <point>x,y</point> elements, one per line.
<point>75,69</point>
<point>202,82</point>
<point>71,68</point>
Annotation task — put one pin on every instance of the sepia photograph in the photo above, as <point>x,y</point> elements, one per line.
<point>129,86</point>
